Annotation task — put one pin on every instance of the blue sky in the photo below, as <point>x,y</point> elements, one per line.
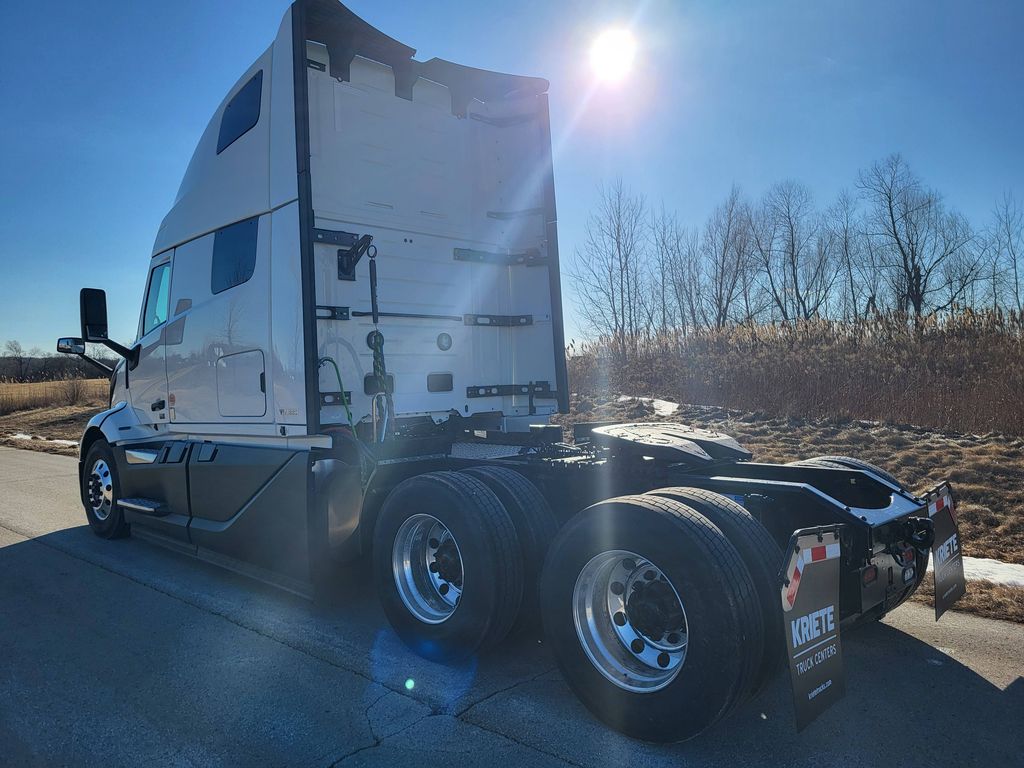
<point>103,103</point>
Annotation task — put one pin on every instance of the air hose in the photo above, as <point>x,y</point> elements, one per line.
<point>341,387</point>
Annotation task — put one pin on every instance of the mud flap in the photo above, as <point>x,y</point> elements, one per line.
<point>810,605</point>
<point>947,556</point>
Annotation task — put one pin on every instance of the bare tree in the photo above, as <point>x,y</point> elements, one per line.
<point>1008,246</point>
<point>610,273</point>
<point>688,277</point>
<point>850,255</point>
<point>794,251</point>
<point>18,358</point>
<point>665,241</point>
<point>726,248</point>
<point>923,248</point>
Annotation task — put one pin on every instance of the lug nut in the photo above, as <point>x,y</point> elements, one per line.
<point>434,543</point>
<point>663,659</point>
<point>637,646</point>
<point>443,589</point>
<point>649,575</point>
<point>674,638</point>
<point>433,567</point>
<point>617,588</point>
<point>619,618</point>
<point>629,564</point>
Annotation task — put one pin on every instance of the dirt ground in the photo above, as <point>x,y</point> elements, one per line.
<point>55,422</point>
<point>983,598</point>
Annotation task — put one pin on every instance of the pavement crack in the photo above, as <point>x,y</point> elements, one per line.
<point>506,689</point>
<point>378,740</point>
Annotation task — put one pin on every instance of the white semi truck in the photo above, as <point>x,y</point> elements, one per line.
<point>350,345</point>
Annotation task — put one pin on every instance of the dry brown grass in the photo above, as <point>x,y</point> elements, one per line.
<point>983,598</point>
<point>964,374</point>
<point>51,410</point>
<point>21,397</point>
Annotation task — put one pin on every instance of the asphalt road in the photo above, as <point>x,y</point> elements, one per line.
<point>122,653</point>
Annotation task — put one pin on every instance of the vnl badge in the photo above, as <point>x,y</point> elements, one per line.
<point>810,605</point>
<point>947,557</point>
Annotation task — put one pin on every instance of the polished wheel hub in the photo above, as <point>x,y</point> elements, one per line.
<point>100,490</point>
<point>630,620</point>
<point>427,567</point>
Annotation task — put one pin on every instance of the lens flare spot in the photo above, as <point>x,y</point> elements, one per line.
<point>612,54</point>
<point>410,684</point>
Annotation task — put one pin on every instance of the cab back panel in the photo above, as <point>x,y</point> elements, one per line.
<point>447,199</point>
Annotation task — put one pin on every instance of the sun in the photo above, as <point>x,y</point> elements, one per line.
<point>612,54</point>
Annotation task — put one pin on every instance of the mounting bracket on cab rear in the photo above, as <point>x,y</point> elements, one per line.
<point>348,259</point>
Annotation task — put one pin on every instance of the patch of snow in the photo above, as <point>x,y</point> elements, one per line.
<point>996,571</point>
<point>23,436</point>
<point>662,408</point>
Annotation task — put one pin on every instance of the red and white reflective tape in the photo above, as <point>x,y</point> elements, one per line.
<point>811,555</point>
<point>940,503</point>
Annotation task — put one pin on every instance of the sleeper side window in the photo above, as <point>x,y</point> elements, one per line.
<point>234,255</point>
<point>241,113</point>
<point>157,297</point>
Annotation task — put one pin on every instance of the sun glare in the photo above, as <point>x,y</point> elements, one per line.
<point>612,54</point>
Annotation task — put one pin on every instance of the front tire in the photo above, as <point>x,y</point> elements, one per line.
<point>667,667</point>
<point>101,489</point>
<point>447,565</point>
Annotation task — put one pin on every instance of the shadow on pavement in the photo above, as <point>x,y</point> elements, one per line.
<point>277,661</point>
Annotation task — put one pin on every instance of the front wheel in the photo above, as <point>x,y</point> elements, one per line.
<point>652,617</point>
<point>101,490</point>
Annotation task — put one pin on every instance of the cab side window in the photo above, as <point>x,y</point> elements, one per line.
<point>157,297</point>
<point>234,255</point>
<point>242,113</point>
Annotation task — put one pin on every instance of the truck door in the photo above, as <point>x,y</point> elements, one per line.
<point>147,381</point>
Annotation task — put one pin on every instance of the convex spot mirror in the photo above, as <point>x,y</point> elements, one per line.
<point>93,306</point>
<point>71,346</point>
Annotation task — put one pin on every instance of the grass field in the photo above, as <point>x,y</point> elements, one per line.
<point>49,410</point>
<point>21,397</point>
<point>962,374</point>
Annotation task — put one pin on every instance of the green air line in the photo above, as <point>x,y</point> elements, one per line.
<point>341,386</point>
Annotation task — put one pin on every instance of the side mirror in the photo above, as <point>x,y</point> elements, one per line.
<point>71,346</point>
<point>93,307</point>
<point>92,303</point>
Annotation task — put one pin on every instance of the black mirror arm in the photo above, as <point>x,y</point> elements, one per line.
<point>105,368</point>
<point>131,355</point>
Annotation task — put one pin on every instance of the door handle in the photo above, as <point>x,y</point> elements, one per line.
<point>159,405</point>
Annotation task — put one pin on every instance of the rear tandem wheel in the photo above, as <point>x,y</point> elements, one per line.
<point>652,617</point>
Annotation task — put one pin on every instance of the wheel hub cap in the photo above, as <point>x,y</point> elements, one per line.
<point>100,490</point>
<point>427,567</point>
<point>630,621</point>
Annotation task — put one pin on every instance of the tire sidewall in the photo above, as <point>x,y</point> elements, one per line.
<point>703,689</point>
<point>114,523</point>
<point>465,629</point>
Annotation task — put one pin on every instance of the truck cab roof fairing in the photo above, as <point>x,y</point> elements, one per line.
<point>346,36</point>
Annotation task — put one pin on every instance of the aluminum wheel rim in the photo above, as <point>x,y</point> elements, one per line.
<point>627,650</point>
<point>427,566</point>
<point>100,490</point>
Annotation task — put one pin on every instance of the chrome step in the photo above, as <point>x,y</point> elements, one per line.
<point>145,506</point>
